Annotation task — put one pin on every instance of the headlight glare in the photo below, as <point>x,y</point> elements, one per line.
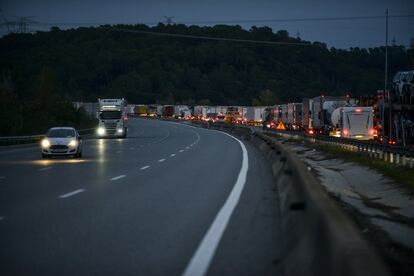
<point>101,131</point>
<point>45,143</point>
<point>73,143</point>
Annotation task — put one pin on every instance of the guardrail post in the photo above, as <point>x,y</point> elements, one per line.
<point>397,159</point>
<point>404,160</point>
<point>391,157</point>
<point>385,156</point>
<point>411,162</point>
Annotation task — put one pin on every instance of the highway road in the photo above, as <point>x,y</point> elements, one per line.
<point>171,199</point>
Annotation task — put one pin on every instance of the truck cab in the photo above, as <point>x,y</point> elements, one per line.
<point>112,118</point>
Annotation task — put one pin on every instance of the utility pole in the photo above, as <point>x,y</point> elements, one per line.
<point>297,34</point>
<point>386,75</point>
<point>169,20</point>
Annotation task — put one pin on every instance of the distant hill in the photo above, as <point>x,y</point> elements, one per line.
<point>87,63</point>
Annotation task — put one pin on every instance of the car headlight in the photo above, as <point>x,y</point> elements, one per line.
<point>45,143</point>
<point>101,131</point>
<point>73,143</point>
<point>120,130</point>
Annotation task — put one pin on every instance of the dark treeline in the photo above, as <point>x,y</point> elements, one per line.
<point>48,69</point>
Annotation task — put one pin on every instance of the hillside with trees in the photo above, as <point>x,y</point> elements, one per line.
<point>42,69</point>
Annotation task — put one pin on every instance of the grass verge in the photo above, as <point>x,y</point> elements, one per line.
<point>402,175</point>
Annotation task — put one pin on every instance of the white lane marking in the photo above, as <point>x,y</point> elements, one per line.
<point>72,193</point>
<point>181,150</point>
<point>172,155</point>
<point>161,160</point>
<point>131,148</point>
<point>141,146</point>
<point>1,218</point>
<point>45,169</point>
<point>187,147</point>
<point>204,254</point>
<point>118,177</point>
<point>144,168</point>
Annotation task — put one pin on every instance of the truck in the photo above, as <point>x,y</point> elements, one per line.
<point>141,110</point>
<point>354,122</point>
<point>254,115</point>
<point>233,115</point>
<point>112,118</point>
<point>168,111</point>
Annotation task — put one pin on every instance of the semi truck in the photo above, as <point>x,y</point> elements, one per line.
<point>112,118</point>
<point>354,122</point>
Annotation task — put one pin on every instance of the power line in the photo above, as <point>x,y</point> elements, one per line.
<point>168,20</point>
<point>211,38</point>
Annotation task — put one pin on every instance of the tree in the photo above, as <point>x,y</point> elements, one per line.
<point>265,98</point>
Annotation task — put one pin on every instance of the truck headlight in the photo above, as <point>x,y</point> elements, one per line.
<point>45,143</point>
<point>101,131</point>
<point>120,130</point>
<point>73,143</point>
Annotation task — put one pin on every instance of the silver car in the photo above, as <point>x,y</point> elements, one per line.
<point>62,141</point>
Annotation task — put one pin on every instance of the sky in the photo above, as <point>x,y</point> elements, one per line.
<point>362,33</point>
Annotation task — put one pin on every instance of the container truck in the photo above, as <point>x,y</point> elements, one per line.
<point>112,118</point>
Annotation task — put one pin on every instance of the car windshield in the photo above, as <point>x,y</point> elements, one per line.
<point>110,115</point>
<point>60,132</point>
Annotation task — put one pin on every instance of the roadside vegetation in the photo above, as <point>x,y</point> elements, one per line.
<point>39,110</point>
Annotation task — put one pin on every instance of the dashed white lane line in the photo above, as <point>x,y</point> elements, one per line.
<point>187,147</point>
<point>45,169</point>
<point>141,146</point>
<point>161,160</point>
<point>181,150</point>
<point>131,148</point>
<point>145,167</point>
<point>119,151</point>
<point>1,218</point>
<point>118,177</point>
<point>204,254</point>
<point>72,193</point>
<point>172,155</point>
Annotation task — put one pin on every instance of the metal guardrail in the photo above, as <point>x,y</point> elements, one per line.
<point>31,139</point>
<point>393,154</point>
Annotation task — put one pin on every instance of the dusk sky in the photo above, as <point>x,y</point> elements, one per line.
<point>337,33</point>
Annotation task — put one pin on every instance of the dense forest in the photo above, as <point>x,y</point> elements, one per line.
<point>42,72</point>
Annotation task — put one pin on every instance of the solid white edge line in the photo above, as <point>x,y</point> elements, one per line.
<point>172,155</point>
<point>144,168</point>
<point>72,193</point>
<point>200,261</point>
<point>45,169</point>
<point>181,150</point>
<point>161,160</point>
<point>118,177</point>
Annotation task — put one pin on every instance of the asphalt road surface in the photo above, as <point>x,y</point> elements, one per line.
<point>170,199</point>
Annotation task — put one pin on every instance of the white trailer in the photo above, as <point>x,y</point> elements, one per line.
<point>200,111</point>
<point>354,122</point>
<point>254,114</point>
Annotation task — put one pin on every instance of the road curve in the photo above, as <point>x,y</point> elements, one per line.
<point>138,206</point>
